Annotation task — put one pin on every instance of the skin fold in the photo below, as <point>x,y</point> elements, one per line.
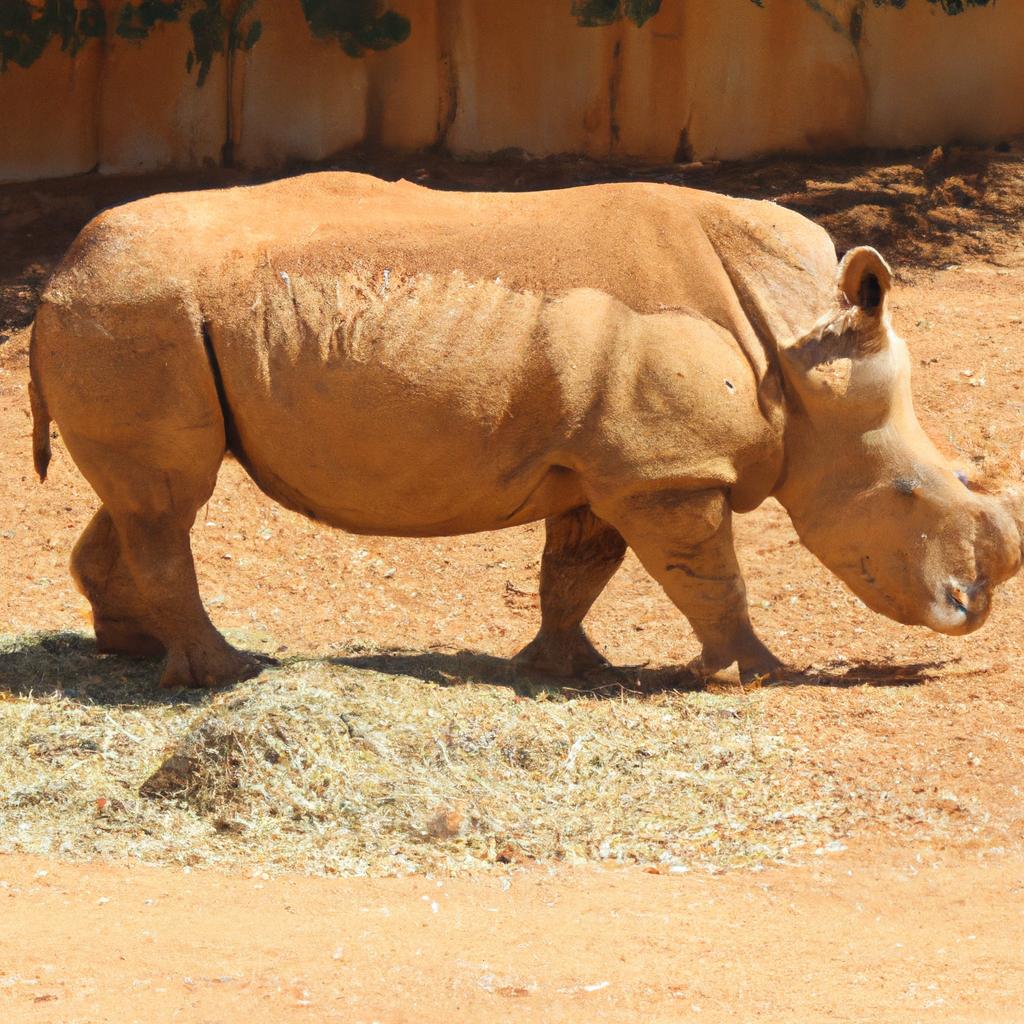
<point>632,363</point>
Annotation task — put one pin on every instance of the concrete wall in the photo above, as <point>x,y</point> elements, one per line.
<point>701,79</point>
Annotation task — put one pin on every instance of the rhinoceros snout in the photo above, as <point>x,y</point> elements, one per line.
<point>1012,504</point>
<point>960,607</point>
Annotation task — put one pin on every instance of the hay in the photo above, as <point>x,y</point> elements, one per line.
<point>338,768</point>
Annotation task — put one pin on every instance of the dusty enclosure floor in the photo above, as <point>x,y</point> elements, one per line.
<point>393,737</point>
<point>866,936</point>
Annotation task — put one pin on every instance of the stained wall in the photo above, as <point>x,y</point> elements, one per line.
<point>701,79</point>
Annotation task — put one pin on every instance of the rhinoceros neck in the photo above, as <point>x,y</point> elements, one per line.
<point>780,266</point>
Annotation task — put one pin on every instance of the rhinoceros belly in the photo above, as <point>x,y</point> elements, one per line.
<point>409,405</point>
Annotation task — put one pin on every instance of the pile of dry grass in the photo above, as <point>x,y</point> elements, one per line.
<point>335,768</point>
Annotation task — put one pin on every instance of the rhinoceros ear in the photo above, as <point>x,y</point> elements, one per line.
<point>864,278</point>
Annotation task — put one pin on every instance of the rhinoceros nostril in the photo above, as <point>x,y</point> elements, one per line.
<point>969,598</point>
<point>958,599</point>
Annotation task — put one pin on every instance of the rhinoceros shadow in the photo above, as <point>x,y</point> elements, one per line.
<point>866,673</point>
<point>68,665</point>
<point>474,668</point>
<point>463,668</point>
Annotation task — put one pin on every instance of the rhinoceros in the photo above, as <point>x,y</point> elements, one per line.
<point>632,363</point>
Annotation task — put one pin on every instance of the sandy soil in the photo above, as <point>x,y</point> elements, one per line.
<point>913,922</point>
<point>869,936</point>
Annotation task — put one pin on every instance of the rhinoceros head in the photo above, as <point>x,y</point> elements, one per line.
<point>868,492</point>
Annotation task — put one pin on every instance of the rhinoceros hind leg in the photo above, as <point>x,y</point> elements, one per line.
<point>581,554</point>
<point>144,419</point>
<point>151,487</point>
<point>159,557</point>
<point>100,572</point>
<point>568,655</point>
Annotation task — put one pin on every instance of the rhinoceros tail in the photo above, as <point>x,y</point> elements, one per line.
<point>40,416</point>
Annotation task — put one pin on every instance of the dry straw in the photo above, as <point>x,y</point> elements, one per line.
<point>387,763</point>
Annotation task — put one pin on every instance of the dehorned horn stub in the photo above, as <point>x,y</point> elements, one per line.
<point>1012,500</point>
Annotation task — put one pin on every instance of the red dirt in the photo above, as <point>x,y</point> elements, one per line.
<point>868,936</point>
<point>915,922</point>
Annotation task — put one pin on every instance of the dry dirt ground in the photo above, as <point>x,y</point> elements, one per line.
<point>869,937</point>
<point>885,881</point>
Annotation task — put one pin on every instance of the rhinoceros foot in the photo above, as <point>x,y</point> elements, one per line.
<point>121,636</point>
<point>567,654</point>
<point>755,663</point>
<point>207,665</point>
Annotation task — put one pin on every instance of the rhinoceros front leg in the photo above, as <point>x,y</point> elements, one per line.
<point>159,557</point>
<point>685,542</point>
<point>581,554</point>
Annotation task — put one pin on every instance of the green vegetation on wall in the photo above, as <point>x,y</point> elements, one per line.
<point>28,26</point>
<point>136,21</point>
<point>212,33</point>
<point>358,25</point>
<point>949,6</point>
<point>592,13</point>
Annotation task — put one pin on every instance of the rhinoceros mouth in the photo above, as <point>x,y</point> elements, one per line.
<point>947,615</point>
<point>955,607</point>
<point>960,609</point>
